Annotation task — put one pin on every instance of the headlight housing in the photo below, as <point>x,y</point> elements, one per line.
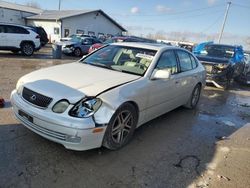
<point>222,65</point>
<point>85,108</point>
<point>60,106</point>
<point>19,86</point>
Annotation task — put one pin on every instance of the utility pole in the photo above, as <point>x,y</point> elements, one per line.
<point>224,21</point>
<point>59,7</point>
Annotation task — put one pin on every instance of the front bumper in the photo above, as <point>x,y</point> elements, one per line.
<point>67,50</point>
<point>70,132</point>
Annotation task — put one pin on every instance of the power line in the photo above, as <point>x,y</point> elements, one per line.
<point>180,18</point>
<point>211,25</point>
<point>242,6</point>
<point>171,13</point>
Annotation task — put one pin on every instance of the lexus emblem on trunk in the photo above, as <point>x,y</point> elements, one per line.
<point>33,97</point>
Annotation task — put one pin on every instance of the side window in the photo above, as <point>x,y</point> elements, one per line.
<point>1,28</point>
<point>194,62</point>
<point>56,30</point>
<point>185,61</point>
<point>87,41</point>
<point>15,29</point>
<point>168,61</point>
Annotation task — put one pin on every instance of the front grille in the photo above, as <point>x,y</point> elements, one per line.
<point>36,98</point>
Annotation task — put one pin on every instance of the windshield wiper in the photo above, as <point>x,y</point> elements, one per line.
<point>121,70</point>
<point>100,65</point>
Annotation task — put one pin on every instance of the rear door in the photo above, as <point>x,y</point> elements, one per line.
<point>187,78</point>
<point>2,36</point>
<point>86,43</point>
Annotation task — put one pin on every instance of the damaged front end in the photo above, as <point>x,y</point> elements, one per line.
<point>222,62</point>
<point>220,74</point>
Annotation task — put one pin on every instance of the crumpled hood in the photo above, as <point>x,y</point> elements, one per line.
<point>74,81</point>
<point>66,43</point>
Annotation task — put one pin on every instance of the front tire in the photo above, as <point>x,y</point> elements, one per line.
<point>121,127</point>
<point>27,49</point>
<point>195,97</point>
<point>77,52</point>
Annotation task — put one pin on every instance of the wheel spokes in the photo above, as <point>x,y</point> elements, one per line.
<point>122,126</point>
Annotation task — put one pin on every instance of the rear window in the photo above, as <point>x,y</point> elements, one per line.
<point>218,51</point>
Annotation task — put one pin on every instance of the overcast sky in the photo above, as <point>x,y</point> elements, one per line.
<point>192,18</point>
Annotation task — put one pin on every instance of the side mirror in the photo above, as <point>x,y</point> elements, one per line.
<point>161,75</point>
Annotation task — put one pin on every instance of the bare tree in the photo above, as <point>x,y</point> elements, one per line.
<point>33,4</point>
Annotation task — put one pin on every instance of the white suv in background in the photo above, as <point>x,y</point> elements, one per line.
<point>18,38</point>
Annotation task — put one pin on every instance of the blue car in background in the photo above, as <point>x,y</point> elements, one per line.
<point>78,46</point>
<point>222,62</point>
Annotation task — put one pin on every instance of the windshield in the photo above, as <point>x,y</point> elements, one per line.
<point>75,39</point>
<point>218,51</point>
<point>122,58</point>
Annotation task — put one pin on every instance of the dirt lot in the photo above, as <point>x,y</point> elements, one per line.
<point>206,147</point>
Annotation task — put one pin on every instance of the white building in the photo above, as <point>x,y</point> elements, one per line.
<point>62,23</point>
<point>14,13</point>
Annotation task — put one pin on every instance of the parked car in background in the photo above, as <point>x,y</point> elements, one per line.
<point>73,36</point>
<point>17,38</point>
<point>120,39</point>
<point>104,97</point>
<point>244,77</point>
<point>222,62</point>
<point>78,46</point>
<point>42,33</point>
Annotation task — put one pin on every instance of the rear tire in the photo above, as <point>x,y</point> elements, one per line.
<point>194,98</point>
<point>27,49</point>
<point>121,127</point>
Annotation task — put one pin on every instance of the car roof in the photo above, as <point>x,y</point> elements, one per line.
<point>151,46</point>
<point>225,45</point>
<point>18,25</point>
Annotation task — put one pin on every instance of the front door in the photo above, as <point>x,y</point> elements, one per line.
<point>163,94</point>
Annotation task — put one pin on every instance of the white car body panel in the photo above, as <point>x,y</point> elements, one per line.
<point>76,81</point>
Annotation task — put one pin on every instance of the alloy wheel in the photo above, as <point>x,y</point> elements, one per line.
<point>121,126</point>
<point>196,96</point>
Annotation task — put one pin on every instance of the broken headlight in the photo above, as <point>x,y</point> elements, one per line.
<point>85,108</point>
<point>222,65</point>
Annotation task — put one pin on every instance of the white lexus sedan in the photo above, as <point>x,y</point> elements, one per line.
<point>101,99</point>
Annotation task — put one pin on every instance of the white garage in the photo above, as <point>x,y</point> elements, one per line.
<point>14,13</point>
<point>66,22</point>
<point>61,23</point>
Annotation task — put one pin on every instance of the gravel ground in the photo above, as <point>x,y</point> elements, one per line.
<point>205,147</point>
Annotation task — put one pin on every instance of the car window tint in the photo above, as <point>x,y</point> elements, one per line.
<point>185,61</point>
<point>194,62</point>
<point>15,29</point>
<point>168,61</point>
<point>87,41</point>
<point>1,29</point>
